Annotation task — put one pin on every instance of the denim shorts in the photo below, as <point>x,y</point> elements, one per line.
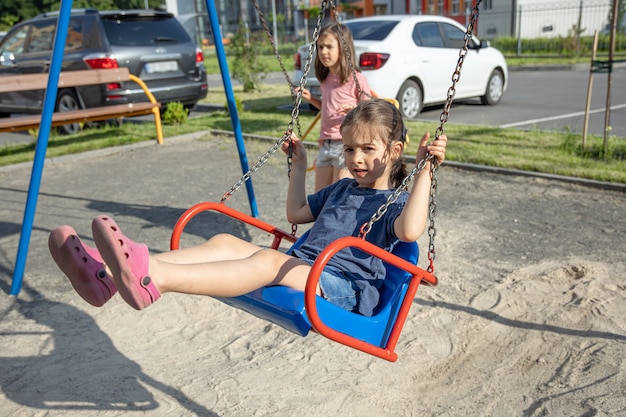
<point>331,154</point>
<point>337,288</point>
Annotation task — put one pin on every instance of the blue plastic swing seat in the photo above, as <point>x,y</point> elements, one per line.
<point>285,306</point>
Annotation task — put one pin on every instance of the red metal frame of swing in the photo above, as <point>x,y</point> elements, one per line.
<point>418,275</point>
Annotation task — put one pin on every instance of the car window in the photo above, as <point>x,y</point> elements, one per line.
<point>427,34</point>
<point>143,30</point>
<point>74,35</point>
<point>454,37</point>
<point>41,35</point>
<point>15,42</point>
<point>371,31</point>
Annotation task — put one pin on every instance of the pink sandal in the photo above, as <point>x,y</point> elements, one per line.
<point>128,262</point>
<point>83,266</point>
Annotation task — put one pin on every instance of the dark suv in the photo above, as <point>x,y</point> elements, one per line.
<point>153,45</point>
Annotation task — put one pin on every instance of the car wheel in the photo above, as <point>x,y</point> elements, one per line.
<point>495,88</point>
<point>410,99</point>
<point>67,101</point>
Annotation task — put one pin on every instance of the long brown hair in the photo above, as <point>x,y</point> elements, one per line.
<point>344,37</point>
<point>384,118</point>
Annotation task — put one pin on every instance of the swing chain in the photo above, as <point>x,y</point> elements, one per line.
<point>305,72</point>
<point>273,42</point>
<point>294,116</point>
<point>456,76</point>
<point>393,197</point>
<point>280,61</point>
<point>255,167</point>
<point>432,207</point>
<point>307,64</point>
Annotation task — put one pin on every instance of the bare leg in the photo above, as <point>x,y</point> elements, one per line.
<point>225,266</point>
<point>229,278</point>
<point>141,279</point>
<point>218,248</point>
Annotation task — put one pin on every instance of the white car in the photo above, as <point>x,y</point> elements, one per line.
<point>412,58</point>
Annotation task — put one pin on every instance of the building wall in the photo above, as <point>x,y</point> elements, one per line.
<point>497,18</point>
<point>541,19</point>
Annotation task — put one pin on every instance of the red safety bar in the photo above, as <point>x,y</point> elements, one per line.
<point>279,234</point>
<point>418,275</point>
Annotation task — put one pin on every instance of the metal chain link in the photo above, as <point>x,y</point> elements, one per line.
<point>278,58</point>
<point>432,207</point>
<point>273,42</point>
<point>456,76</point>
<point>294,114</point>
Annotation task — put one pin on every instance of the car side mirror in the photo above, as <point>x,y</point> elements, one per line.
<point>478,45</point>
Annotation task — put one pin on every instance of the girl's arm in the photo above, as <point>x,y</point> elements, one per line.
<point>315,102</point>
<point>298,210</point>
<point>306,94</point>
<point>410,225</point>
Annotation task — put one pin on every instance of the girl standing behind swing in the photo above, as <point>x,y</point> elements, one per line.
<point>336,72</point>
<point>227,266</point>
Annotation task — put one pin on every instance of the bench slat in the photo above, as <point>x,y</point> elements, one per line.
<point>13,124</point>
<point>28,82</point>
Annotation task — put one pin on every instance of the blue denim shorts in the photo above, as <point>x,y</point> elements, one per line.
<point>337,288</point>
<point>331,154</point>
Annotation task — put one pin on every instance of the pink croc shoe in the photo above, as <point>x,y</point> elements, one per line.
<point>128,262</point>
<point>83,266</point>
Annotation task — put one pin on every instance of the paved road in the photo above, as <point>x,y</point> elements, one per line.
<point>542,99</point>
<point>548,100</point>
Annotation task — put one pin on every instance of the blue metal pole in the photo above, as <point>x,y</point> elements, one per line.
<point>42,144</point>
<point>230,100</point>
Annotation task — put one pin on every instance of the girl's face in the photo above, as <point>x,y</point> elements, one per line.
<point>328,52</point>
<point>367,157</point>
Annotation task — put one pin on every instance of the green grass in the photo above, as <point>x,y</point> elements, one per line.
<point>268,112</point>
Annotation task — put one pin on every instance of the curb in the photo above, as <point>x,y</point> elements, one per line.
<point>555,67</point>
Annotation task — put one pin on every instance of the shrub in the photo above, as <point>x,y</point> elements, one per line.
<point>238,105</point>
<point>175,114</point>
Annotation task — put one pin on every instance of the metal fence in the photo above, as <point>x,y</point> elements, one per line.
<point>547,20</point>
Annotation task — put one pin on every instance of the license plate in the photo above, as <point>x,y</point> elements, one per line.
<point>163,66</point>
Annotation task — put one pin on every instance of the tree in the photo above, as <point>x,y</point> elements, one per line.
<point>246,66</point>
<point>621,15</point>
<point>14,11</point>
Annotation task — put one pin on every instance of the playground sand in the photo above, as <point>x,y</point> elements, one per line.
<point>528,318</point>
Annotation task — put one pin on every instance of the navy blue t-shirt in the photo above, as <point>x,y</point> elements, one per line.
<point>340,210</point>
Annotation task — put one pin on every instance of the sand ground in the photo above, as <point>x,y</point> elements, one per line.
<point>528,318</point>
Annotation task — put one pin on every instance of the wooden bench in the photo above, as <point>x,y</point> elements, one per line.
<point>67,79</point>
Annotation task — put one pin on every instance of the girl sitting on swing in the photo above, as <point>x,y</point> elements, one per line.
<point>226,266</point>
